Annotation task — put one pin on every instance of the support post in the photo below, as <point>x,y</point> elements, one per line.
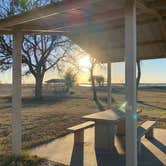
<point>109,84</point>
<point>16,92</point>
<point>130,72</point>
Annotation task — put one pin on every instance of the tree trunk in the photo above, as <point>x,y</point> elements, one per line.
<point>138,73</point>
<point>38,87</point>
<point>93,84</point>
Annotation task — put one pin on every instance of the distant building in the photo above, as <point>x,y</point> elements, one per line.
<point>56,85</point>
<point>55,81</point>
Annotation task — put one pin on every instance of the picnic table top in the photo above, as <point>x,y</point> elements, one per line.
<point>107,116</point>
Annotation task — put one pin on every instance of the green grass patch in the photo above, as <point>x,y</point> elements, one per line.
<point>26,160</point>
<point>23,160</point>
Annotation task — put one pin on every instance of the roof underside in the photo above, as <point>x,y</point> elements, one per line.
<point>97,26</point>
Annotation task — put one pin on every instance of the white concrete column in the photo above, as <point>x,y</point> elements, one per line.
<point>109,84</point>
<point>130,59</point>
<point>16,98</point>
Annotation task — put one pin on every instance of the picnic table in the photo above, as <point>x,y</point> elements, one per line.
<point>107,124</point>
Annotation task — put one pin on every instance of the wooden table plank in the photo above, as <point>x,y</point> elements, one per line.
<point>107,124</point>
<point>106,116</point>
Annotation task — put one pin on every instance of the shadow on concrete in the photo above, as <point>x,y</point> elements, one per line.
<point>106,158</point>
<point>158,144</point>
<point>77,158</point>
<point>85,154</point>
<point>147,158</point>
<point>99,105</point>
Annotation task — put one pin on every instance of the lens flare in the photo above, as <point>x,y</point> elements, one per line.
<point>85,63</point>
<point>123,105</point>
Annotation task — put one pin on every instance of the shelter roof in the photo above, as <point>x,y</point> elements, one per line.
<point>97,26</point>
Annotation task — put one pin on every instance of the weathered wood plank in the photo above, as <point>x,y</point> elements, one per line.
<point>110,116</point>
<point>130,74</point>
<point>81,126</point>
<point>109,84</point>
<point>16,94</point>
<point>145,128</point>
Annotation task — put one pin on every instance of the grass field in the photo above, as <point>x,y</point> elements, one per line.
<point>48,119</point>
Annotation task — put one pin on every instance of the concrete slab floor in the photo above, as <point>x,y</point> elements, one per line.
<point>63,151</point>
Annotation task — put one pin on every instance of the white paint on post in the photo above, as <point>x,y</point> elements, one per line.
<point>130,59</point>
<point>109,84</point>
<point>16,99</point>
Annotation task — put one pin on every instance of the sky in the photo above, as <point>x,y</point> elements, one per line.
<point>153,71</point>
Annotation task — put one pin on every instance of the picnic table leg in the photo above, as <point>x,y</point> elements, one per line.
<point>104,137</point>
<point>149,134</point>
<point>121,128</point>
<point>79,137</point>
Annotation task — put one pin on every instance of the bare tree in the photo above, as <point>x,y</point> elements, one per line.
<point>40,53</point>
<point>70,78</point>
<point>93,64</point>
<point>99,79</point>
<point>138,73</point>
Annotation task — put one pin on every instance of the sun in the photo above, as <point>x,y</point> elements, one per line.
<point>85,63</point>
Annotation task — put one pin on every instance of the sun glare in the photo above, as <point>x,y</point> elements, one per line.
<point>85,63</point>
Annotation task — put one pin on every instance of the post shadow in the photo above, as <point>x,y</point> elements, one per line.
<point>147,158</point>
<point>77,158</point>
<point>99,105</point>
<point>109,159</point>
<point>158,144</point>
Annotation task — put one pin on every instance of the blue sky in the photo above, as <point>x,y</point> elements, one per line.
<point>153,71</point>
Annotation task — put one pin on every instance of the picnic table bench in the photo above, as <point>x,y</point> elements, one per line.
<point>78,131</point>
<point>146,129</point>
<point>107,124</point>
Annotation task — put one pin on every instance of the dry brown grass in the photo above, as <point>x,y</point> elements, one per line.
<point>44,120</point>
<point>48,119</point>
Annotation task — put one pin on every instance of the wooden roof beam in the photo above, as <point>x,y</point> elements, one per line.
<point>143,6</point>
<point>157,4</point>
<point>106,26</point>
<point>5,31</point>
<point>162,13</point>
<point>116,59</point>
<point>144,43</point>
<point>29,31</point>
<point>98,17</point>
<point>44,12</point>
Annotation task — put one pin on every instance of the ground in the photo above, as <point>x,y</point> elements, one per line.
<point>46,120</point>
<point>63,150</point>
<point>26,160</point>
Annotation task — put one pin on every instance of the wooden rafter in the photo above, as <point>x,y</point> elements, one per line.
<point>157,4</point>
<point>98,17</point>
<point>94,23</point>
<point>45,12</point>
<point>162,13</point>
<point>143,6</point>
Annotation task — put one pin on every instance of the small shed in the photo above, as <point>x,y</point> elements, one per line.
<point>56,85</point>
